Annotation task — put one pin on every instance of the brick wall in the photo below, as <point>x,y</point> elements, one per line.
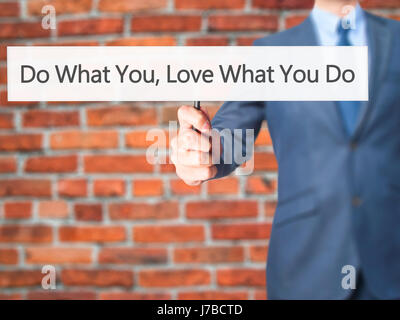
<point>77,193</point>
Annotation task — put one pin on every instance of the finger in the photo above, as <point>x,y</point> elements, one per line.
<point>189,139</point>
<point>190,117</point>
<point>191,158</point>
<point>191,174</point>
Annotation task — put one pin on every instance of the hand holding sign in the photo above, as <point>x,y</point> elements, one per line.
<point>190,149</point>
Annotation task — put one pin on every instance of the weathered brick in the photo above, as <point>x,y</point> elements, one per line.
<point>53,209</point>
<point>174,278</point>
<point>123,115</point>
<point>72,188</point>
<point>40,118</point>
<point>61,6</point>
<point>147,187</point>
<point>109,188</point>
<point>116,164</point>
<point>241,277</point>
<point>209,4</point>
<point>221,209</point>
<point>25,187</point>
<point>133,256</point>
<point>172,23</point>
<point>241,231</point>
<point>8,164</point>
<point>18,210</point>
<point>8,256</point>
<point>92,234</point>
<point>209,255</point>
<point>90,26</point>
<point>58,255</point>
<point>20,142</point>
<point>98,278</point>
<point>60,164</point>
<point>129,6</point>
<point>174,233</point>
<point>88,212</point>
<point>84,140</point>
<point>213,295</point>
<point>136,211</point>
<point>26,233</point>
<point>248,22</point>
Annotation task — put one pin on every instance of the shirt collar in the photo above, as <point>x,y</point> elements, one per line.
<point>328,22</point>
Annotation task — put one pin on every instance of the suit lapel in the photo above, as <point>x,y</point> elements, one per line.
<point>379,43</point>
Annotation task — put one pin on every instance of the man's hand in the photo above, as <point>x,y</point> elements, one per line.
<point>190,149</point>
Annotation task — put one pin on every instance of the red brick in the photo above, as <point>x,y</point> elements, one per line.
<point>259,253</point>
<point>147,187</point>
<point>40,118</point>
<point>209,4</point>
<point>109,188</point>
<point>380,4</point>
<point>260,185</point>
<point>20,278</point>
<point>61,295</point>
<point>241,277</point>
<point>88,212</point>
<point>265,161</point>
<point>92,234</point>
<point>4,100</point>
<point>25,187</point>
<point>141,139</point>
<point>283,4</point>
<point>3,73</point>
<point>8,164</point>
<point>221,209</point>
<point>133,256</point>
<point>72,188</point>
<point>292,21</point>
<point>129,6</point>
<point>269,208</point>
<point>209,255</point>
<point>264,138</point>
<point>223,186</point>
<point>8,256</point>
<point>84,140</point>
<point>10,296</point>
<point>174,278</point>
<point>260,295</point>
<point>53,209</point>
<point>61,6</point>
<point>116,164</point>
<point>90,26</point>
<point>121,116</point>
<point>249,22</point>
<point>3,49</point>
<point>26,233</point>
<point>172,23</point>
<point>15,30</point>
<point>6,121</point>
<point>213,295</point>
<point>136,211</point>
<point>207,41</point>
<point>134,296</point>
<point>241,231</point>
<point>20,142</point>
<point>9,9</point>
<point>181,188</point>
<point>60,164</point>
<point>18,210</point>
<point>58,255</point>
<point>143,41</point>
<point>98,278</point>
<point>174,233</point>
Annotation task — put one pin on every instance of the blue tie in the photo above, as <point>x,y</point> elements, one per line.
<point>348,109</point>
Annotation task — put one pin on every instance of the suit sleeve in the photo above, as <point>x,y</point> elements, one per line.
<point>232,120</point>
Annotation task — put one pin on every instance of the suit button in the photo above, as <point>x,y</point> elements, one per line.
<point>356,202</point>
<point>353,145</point>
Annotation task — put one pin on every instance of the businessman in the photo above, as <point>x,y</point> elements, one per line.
<point>339,166</point>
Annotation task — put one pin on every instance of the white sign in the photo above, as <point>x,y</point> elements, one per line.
<point>257,73</point>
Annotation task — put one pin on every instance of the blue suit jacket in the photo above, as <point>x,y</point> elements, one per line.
<point>338,196</point>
